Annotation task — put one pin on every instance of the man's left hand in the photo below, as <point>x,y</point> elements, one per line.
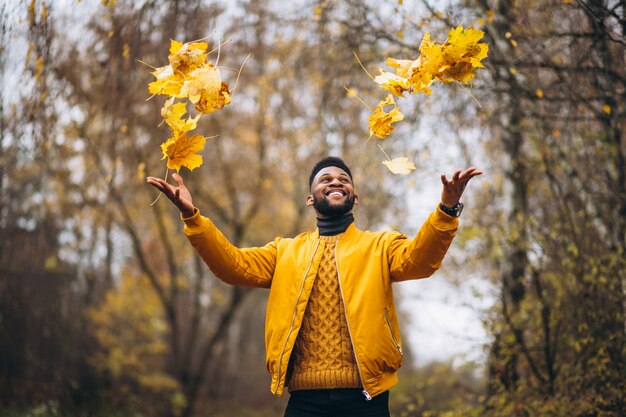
<point>453,189</point>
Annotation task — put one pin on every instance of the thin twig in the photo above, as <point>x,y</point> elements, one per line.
<point>160,193</point>
<point>470,94</point>
<point>358,98</point>
<point>361,64</point>
<point>238,74</point>
<point>146,64</point>
<point>385,153</point>
<point>218,46</point>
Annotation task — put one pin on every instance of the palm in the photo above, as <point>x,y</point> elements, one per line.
<point>180,196</point>
<point>453,189</point>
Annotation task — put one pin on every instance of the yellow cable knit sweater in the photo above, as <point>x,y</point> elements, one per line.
<point>323,357</point>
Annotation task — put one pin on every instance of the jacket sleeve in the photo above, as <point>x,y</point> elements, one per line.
<point>248,267</point>
<point>422,256</point>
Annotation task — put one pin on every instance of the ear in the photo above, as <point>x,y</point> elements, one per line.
<point>356,200</point>
<point>309,200</point>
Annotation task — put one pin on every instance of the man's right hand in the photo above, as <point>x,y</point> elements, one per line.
<point>180,196</point>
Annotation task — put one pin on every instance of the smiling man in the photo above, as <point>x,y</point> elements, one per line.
<point>331,334</point>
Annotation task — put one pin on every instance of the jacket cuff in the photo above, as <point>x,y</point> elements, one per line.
<point>194,222</point>
<point>444,221</point>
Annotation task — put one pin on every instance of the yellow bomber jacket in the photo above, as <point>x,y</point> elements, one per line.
<point>367,264</point>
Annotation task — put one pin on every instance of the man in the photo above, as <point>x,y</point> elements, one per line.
<point>331,330</point>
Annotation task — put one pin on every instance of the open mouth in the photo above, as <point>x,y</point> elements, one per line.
<point>336,193</point>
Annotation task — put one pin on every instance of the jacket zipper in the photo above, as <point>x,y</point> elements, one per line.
<point>368,397</point>
<point>393,336</point>
<point>293,318</point>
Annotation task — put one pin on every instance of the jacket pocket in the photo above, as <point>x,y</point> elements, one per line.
<point>391,332</point>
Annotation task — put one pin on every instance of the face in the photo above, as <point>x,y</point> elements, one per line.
<point>332,193</point>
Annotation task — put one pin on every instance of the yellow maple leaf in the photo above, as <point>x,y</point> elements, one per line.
<point>420,82</point>
<point>206,90</point>
<point>391,82</point>
<point>380,121</point>
<point>462,42</point>
<point>167,82</point>
<point>211,100</point>
<point>461,71</point>
<point>182,151</point>
<point>463,53</point>
<point>431,58</point>
<point>403,66</point>
<point>400,165</point>
<point>185,57</point>
<point>173,115</point>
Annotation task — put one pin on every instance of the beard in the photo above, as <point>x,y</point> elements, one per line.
<point>323,206</point>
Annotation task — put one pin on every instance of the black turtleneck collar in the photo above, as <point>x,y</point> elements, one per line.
<point>334,225</point>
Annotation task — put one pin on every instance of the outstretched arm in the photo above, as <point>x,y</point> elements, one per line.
<point>250,267</point>
<point>422,256</point>
<point>180,196</point>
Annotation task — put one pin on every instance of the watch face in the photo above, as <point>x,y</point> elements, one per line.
<point>459,209</point>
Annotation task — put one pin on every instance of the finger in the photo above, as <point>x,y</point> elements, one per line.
<point>178,179</point>
<point>467,172</point>
<point>472,174</point>
<point>162,186</point>
<point>455,177</point>
<point>155,183</point>
<point>444,180</point>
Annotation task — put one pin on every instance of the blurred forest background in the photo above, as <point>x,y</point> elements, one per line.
<point>106,311</point>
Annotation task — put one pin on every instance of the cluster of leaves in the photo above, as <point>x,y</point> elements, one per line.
<point>455,60</point>
<point>189,75</point>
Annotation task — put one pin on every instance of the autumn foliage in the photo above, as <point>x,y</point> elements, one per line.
<point>189,75</point>
<point>457,59</point>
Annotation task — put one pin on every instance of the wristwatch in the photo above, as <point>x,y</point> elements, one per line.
<point>454,211</point>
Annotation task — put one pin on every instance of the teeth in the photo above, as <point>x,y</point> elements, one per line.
<point>336,193</point>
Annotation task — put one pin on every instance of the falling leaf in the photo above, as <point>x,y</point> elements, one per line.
<point>182,151</point>
<point>206,90</point>
<point>393,83</point>
<point>403,66</point>
<point>400,165</point>
<point>380,121</point>
<point>186,57</point>
<point>173,115</point>
<point>191,76</point>
<point>556,132</point>
<point>607,109</point>
<point>539,93</point>
<point>167,82</point>
<point>490,14</point>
